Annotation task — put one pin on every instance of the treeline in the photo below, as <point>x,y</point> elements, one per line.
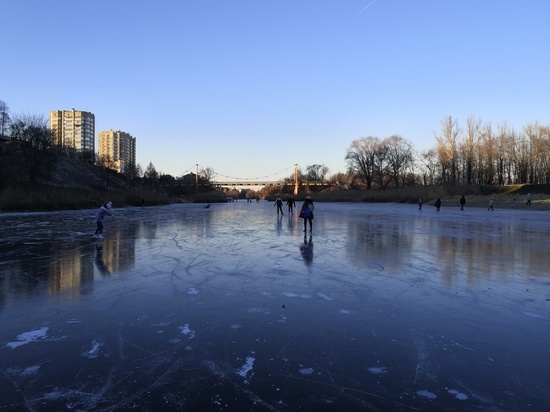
<point>478,154</point>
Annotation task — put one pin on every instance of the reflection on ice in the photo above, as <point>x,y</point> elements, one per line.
<point>384,307</point>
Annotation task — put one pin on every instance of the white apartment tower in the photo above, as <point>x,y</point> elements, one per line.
<point>118,149</point>
<point>74,129</point>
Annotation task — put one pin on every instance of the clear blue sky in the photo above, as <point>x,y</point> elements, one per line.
<point>251,87</point>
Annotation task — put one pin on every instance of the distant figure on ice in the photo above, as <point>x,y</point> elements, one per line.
<point>462,202</point>
<point>491,203</point>
<point>420,204</point>
<point>100,215</point>
<point>437,204</point>
<point>291,205</point>
<point>306,213</point>
<point>279,204</point>
<point>528,198</point>
<point>207,205</point>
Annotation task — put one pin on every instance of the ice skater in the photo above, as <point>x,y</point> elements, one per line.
<point>420,204</point>
<point>462,202</point>
<point>306,213</point>
<point>528,198</point>
<point>291,205</point>
<point>437,204</point>
<point>491,203</point>
<point>279,204</point>
<point>100,215</point>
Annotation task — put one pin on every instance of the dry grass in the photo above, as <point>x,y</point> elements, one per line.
<point>28,198</point>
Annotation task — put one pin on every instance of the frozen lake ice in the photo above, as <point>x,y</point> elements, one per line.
<point>384,307</point>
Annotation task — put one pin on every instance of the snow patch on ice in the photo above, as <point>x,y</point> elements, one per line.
<point>345,311</point>
<point>247,367</point>
<point>31,370</point>
<point>257,310</point>
<point>295,295</point>
<point>458,395</point>
<point>427,394</point>
<point>28,337</point>
<point>93,351</point>
<point>306,371</point>
<point>533,315</point>
<point>185,330</point>
<point>236,326</point>
<point>192,291</point>
<point>377,370</point>
<point>325,297</point>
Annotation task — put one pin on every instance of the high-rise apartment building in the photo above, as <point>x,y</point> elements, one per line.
<point>74,129</point>
<point>118,149</point>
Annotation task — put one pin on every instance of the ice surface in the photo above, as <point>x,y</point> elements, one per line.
<point>384,307</point>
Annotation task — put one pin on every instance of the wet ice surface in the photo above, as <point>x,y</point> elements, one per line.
<point>231,308</point>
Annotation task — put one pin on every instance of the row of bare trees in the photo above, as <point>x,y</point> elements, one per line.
<point>481,154</point>
<point>475,155</point>
<point>381,162</point>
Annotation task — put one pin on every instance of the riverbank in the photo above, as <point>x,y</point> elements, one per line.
<point>45,198</point>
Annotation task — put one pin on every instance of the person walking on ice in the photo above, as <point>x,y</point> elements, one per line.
<point>491,203</point>
<point>420,204</point>
<point>279,204</point>
<point>437,204</point>
<point>528,198</point>
<point>100,215</point>
<point>291,205</point>
<point>462,202</point>
<point>306,213</point>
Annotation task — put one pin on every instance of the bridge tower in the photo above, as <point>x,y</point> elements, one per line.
<point>296,183</point>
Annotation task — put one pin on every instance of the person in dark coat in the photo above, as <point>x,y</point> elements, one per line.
<point>462,202</point>
<point>279,204</point>
<point>306,213</point>
<point>437,204</point>
<point>291,205</point>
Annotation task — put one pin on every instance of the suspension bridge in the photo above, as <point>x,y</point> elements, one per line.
<point>220,180</point>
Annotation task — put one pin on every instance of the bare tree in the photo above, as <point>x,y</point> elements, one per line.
<point>316,173</point>
<point>35,140</point>
<point>447,146</point>
<point>151,173</point>
<point>521,159</point>
<point>361,159</point>
<point>503,154</point>
<point>430,166</point>
<point>538,152</point>
<point>399,158</point>
<point>133,172</point>
<point>208,173</point>
<point>469,147</point>
<point>4,118</point>
<point>106,161</point>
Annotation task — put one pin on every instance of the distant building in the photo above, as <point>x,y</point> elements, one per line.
<point>74,129</point>
<point>117,149</point>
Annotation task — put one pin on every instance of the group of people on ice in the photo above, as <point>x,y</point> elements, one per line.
<point>491,207</point>
<point>306,212</point>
